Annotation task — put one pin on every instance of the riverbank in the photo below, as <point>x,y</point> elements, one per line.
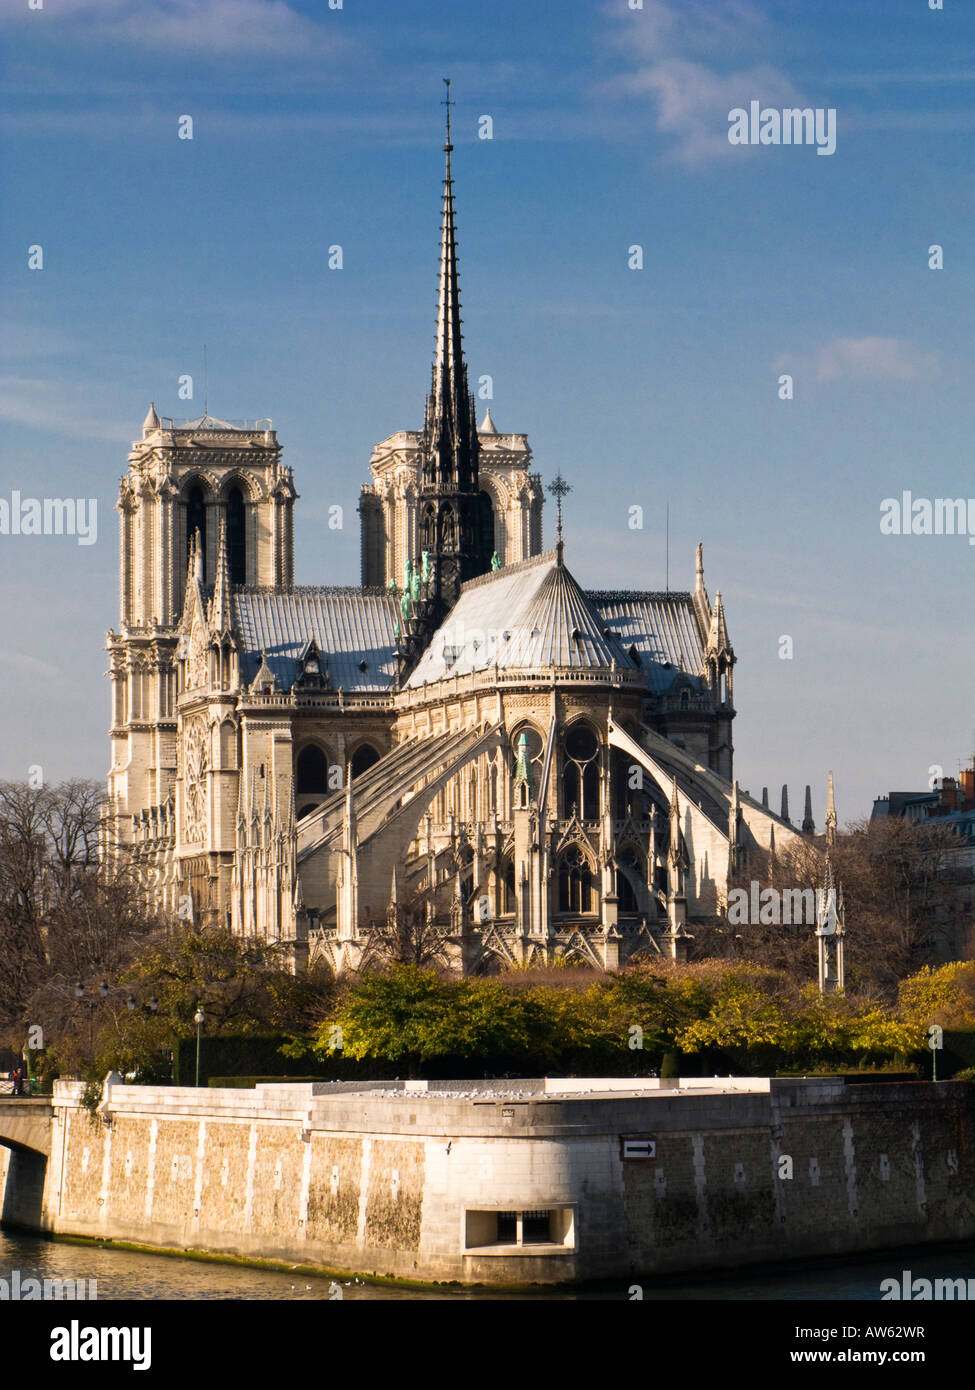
<point>560,1181</point>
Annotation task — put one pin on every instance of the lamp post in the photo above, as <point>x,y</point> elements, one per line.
<point>79,994</point>
<point>198,1020</point>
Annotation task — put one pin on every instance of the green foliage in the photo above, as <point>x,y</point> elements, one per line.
<point>744,1012</point>
<point>944,995</point>
<point>740,1016</point>
<point>714,1015</point>
<point>91,1099</point>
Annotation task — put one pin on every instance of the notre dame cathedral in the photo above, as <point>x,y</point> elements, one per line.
<point>548,769</point>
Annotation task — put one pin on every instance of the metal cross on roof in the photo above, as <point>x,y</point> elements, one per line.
<point>558,487</point>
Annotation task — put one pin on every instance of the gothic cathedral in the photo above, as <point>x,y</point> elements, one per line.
<point>546,770</point>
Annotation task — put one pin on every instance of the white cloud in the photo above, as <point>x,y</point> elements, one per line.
<point>865,359</point>
<point>693,103</point>
<point>692,98</point>
<point>42,405</point>
<point>212,28</point>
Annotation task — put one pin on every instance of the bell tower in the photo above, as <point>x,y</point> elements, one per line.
<point>185,479</point>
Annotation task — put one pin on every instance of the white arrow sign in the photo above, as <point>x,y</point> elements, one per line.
<point>638,1148</point>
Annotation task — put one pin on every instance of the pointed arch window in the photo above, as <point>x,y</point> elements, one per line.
<point>628,874</point>
<point>580,772</point>
<point>575,881</point>
<point>485,541</point>
<point>428,529</point>
<point>236,536</point>
<point>363,759</point>
<point>530,752</point>
<point>509,900</point>
<point>312,771</point>
<point>196,520</point>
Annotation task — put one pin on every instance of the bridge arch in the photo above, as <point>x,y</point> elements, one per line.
<point>25,1133</point>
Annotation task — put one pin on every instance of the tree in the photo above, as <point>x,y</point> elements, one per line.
<point>409,933</point>
<point>243,987</point>
<point>903,907</point>
<point>63,919</point>
<point>945,995</point>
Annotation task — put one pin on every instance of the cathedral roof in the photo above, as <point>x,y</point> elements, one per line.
<point>352,628</point>
<point>526,616</point>
<point>662,627</point>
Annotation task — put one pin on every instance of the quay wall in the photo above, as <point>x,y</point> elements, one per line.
<point>465,1181</point>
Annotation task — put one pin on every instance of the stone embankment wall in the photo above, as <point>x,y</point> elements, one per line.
<point>522,1185</point>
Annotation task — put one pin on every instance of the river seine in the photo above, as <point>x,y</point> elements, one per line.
<point>122,1274</point>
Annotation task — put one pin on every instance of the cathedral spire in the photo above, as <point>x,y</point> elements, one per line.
<point>220,603</point>
<point>451,422</point>
<point>718,634</point>
<point>456,521</point>
<point>195,568</point>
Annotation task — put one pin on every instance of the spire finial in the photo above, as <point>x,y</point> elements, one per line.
<point>220,603</point>
<point>830,813</point>
<point>448,103</point>
<point>558,487</point>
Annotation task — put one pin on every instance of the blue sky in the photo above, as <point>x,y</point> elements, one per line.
<point>315,126</point>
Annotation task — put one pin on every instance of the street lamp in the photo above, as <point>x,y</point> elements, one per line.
<point>79,994</point>
<point>198,1020</point>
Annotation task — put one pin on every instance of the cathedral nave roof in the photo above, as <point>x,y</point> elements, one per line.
<point>349,626</point>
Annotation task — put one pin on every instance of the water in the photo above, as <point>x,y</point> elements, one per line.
<point>123,1274</point>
